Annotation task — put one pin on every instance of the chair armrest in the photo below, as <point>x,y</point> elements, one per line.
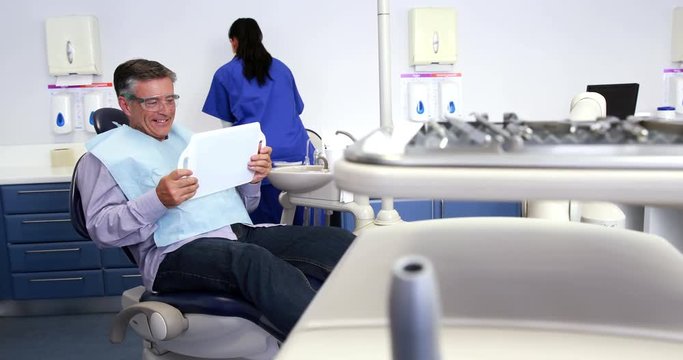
<point>165,321</point>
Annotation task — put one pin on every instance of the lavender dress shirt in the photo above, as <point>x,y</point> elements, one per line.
<point>114,221</point>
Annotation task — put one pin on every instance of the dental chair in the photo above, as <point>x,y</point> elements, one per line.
<point>185,325</point>
<point>508,288</point>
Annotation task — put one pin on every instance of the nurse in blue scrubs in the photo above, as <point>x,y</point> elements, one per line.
<point>255,87</point>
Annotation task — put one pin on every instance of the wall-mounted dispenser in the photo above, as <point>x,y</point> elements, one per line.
<point>449,99</point>
<point>91,102</point>
<point>431,96</point>
<point>61,113</point>
<point>73,45</point>
<point>677,36</point>
<point>432,36</point>
<point>419,105</point>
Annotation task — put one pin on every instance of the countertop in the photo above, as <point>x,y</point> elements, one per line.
<point>32,164</point>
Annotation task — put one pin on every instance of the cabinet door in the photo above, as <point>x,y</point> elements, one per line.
<point>32,228</point>
<point>5,283</point>
<point>77,255</point>
<point>58,284</point>
<point>452,209</point>
<point>35,198</point>
<point>116,281</point>
<point>115,258</point>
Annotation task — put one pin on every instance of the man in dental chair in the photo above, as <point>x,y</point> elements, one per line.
<point>133,196</point>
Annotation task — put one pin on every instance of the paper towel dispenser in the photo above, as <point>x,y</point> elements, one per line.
<point>73,45</point>
<point>432,36</point>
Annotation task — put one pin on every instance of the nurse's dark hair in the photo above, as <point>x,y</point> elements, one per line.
<point>250,49</point>
<point>127,75</point>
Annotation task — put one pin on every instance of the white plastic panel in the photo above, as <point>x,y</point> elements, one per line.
<point>432,36</point>
<point>449,98</point>
<point>73,45</point>
<point>419,104</point>
<point>61,114</point>
<point>91,102</point>
<point>677,36</point>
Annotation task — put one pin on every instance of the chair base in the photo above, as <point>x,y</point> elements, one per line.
<point>149,354</point>
<point>206,337</point>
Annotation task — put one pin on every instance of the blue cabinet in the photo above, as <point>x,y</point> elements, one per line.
<point>450,209</point>
<point>33,228</point>
<point>5,284</point>
<point>120,273</point>
<point>117,281</point>
<point>53,285</point>
<point>58,256</point>
<point>115,258</point>
<point>43,257</point>
<point>36,198</point>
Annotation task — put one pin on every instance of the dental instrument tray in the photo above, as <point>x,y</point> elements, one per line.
<point>633,143</point>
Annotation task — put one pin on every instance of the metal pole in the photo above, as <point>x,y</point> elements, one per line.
<point>385,120</point>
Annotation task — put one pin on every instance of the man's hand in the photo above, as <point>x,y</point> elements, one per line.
<point>176,187</point>
<point>260,163</point>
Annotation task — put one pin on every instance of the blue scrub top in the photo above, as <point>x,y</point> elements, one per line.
<point>276,106</point>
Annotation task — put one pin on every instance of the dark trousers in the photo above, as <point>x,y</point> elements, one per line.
<point>266,266</point>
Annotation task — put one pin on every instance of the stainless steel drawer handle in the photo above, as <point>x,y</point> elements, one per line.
<point>51,251</point>
<point>45,221</point>
<point>131,276</point>
<point>22,192</point>
<point>80,278</point>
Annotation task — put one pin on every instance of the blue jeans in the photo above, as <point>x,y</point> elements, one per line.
<point>266,266</point>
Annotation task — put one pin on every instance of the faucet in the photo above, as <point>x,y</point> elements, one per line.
<point>308,145</point>
<point>345,133</point>
<point>320,159</point>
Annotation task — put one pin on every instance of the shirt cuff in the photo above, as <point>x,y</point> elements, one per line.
<point>149,206</point>
<point>250,189</point>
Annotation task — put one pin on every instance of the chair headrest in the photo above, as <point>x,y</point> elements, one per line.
<point>109,118</point>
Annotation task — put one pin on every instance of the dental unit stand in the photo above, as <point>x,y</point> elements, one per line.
<point>328,197</point>
<point>387,214</point>
<point>585,106</point>
<point>511,287</point>
<point>360,207</point>
<point>324,194</point>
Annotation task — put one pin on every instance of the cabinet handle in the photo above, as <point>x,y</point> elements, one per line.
<point>23,192</point>
<point>80,278</point>
<point>131,276</point>
<point>43,221</point>
<point>51,251</point>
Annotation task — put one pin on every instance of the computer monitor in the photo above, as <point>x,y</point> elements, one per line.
<point>621,98</point>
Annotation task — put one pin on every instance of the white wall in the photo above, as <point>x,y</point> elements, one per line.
<point>526,56</point>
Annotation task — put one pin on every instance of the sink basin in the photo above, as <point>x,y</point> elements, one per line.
<point>300,178</point>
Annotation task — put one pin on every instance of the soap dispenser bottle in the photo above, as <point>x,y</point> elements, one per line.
<point>419,102</point>
<point>91,103</point>
<point>61,113</point>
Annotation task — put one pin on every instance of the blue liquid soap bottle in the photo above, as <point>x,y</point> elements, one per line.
<point>61,114</point>
<point>91,102</point>
<point>418,102</point>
